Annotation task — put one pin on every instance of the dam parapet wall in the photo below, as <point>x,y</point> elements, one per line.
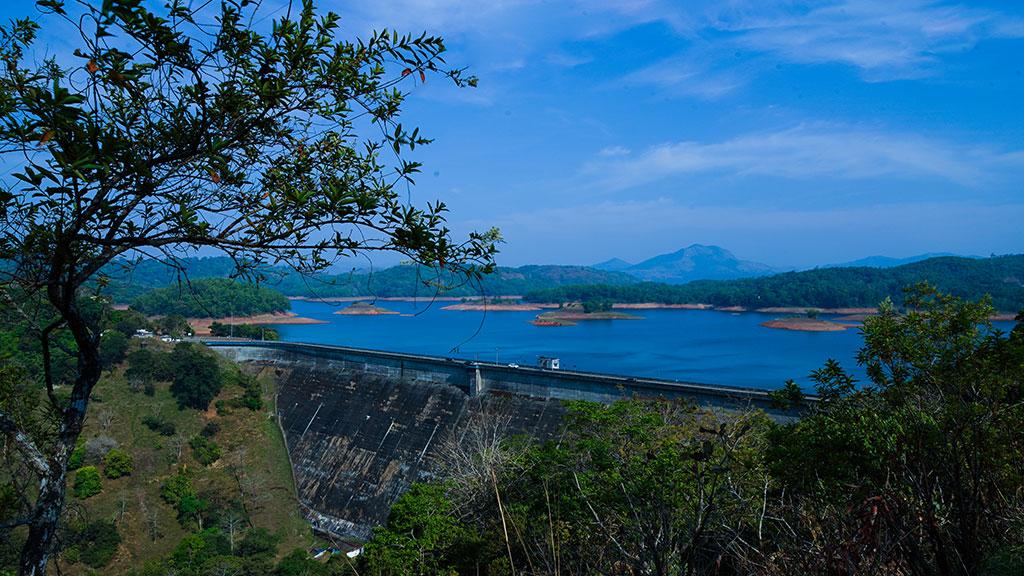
<point>361,426</point>
<point>475,377</point>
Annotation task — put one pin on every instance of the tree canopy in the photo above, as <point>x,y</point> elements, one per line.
<point>168,129</point>
<point>211,297</point>
<point>916,471</point>
<point>998,277</point>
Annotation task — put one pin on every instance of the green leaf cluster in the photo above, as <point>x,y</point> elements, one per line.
<point>117,463</point>
<point>87,482</point>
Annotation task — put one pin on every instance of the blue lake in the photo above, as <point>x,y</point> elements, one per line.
<point>693,345</point>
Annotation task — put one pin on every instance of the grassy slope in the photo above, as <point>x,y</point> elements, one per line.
<point>251,436</point>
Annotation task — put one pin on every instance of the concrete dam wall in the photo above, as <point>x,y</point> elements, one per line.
<point>361,426</point>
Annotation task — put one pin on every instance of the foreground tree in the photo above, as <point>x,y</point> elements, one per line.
<point>919,470</point>
<point>195,127</point>
<point>915,472</point>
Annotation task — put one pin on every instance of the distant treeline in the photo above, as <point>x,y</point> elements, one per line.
<point>212,298</point>
<point>1000,277</point>
<point>129,282</point>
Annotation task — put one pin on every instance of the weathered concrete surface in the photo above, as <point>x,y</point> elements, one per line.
<point>361,426</point>
<point>357,441</point>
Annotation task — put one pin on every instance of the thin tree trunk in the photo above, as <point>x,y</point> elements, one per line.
<point>38,548</point>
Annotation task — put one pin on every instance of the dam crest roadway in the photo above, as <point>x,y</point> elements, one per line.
<point>361,426</point>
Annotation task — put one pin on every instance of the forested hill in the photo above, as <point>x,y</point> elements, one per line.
<point>211,297</point>
<point>1001,277</point>
<point>129,283</point>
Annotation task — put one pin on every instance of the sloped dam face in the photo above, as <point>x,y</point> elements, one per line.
<point>361,426</point>
<point>357,440</point>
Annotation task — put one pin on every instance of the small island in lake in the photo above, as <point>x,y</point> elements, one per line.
<point>364,309</point>
<point>570,314</point>
<point>506,304</point>
<point>806,324</point>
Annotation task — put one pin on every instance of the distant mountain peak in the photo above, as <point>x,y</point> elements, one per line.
<point>694,262</point>
<point>612,265</point>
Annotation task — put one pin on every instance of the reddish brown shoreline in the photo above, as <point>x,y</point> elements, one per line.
<point>806,325</point>
<point>201,326</point>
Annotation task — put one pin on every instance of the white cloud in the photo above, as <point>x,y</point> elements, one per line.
<point>612,151</point>
<point>678,77</point>
<point>805,152</point>
<point>883,39</point>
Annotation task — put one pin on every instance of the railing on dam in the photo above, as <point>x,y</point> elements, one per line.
<point>475,377</point>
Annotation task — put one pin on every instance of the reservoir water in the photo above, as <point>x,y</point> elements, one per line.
<point>692,345</point>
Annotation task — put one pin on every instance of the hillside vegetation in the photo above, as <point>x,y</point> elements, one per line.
<point>916,472</point>
<point>179,470</point>
<point>211,298</point>
<point>398,281</point>
<point>1000,277</point>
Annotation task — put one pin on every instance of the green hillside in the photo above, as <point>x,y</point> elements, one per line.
<point>211,297</point>
<point>128,283</point>
<point>1001,277</point>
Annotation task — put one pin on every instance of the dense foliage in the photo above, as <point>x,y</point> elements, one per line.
<point>1000,277</point>
<point>113,347</point>
<point>404,280</point>
<point>251,331</point>
<point>165,128</point>
<point>93,543</point>
<point>117,463</point>
<point>197,376</point>
<point>212,298</point>
<point>916,472</point>
<point>147,365</point>
<point>204,450</point>
<point>87,482</point>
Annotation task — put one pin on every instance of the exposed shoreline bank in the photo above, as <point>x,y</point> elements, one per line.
<point>477,304</point>
<point>804,324</point>
<point>201,326</point>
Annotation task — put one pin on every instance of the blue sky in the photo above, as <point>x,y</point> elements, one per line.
<point>793,133</point>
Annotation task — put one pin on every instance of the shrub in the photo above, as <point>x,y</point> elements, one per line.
<point>204,450</point>
<point>117,463</point>
<point>96,448</point>
<point>159,425</point>
<point>113,346</point>
<point>258,542</point>
<point>197,377</point>
<point>87,482</point>
<point>179,493</point>
<point>97,543</point>
<point>196,549</point>
<point>147,366</point>
<point>77,458</point>
<point>210,430</point>
<point>252,395</point>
